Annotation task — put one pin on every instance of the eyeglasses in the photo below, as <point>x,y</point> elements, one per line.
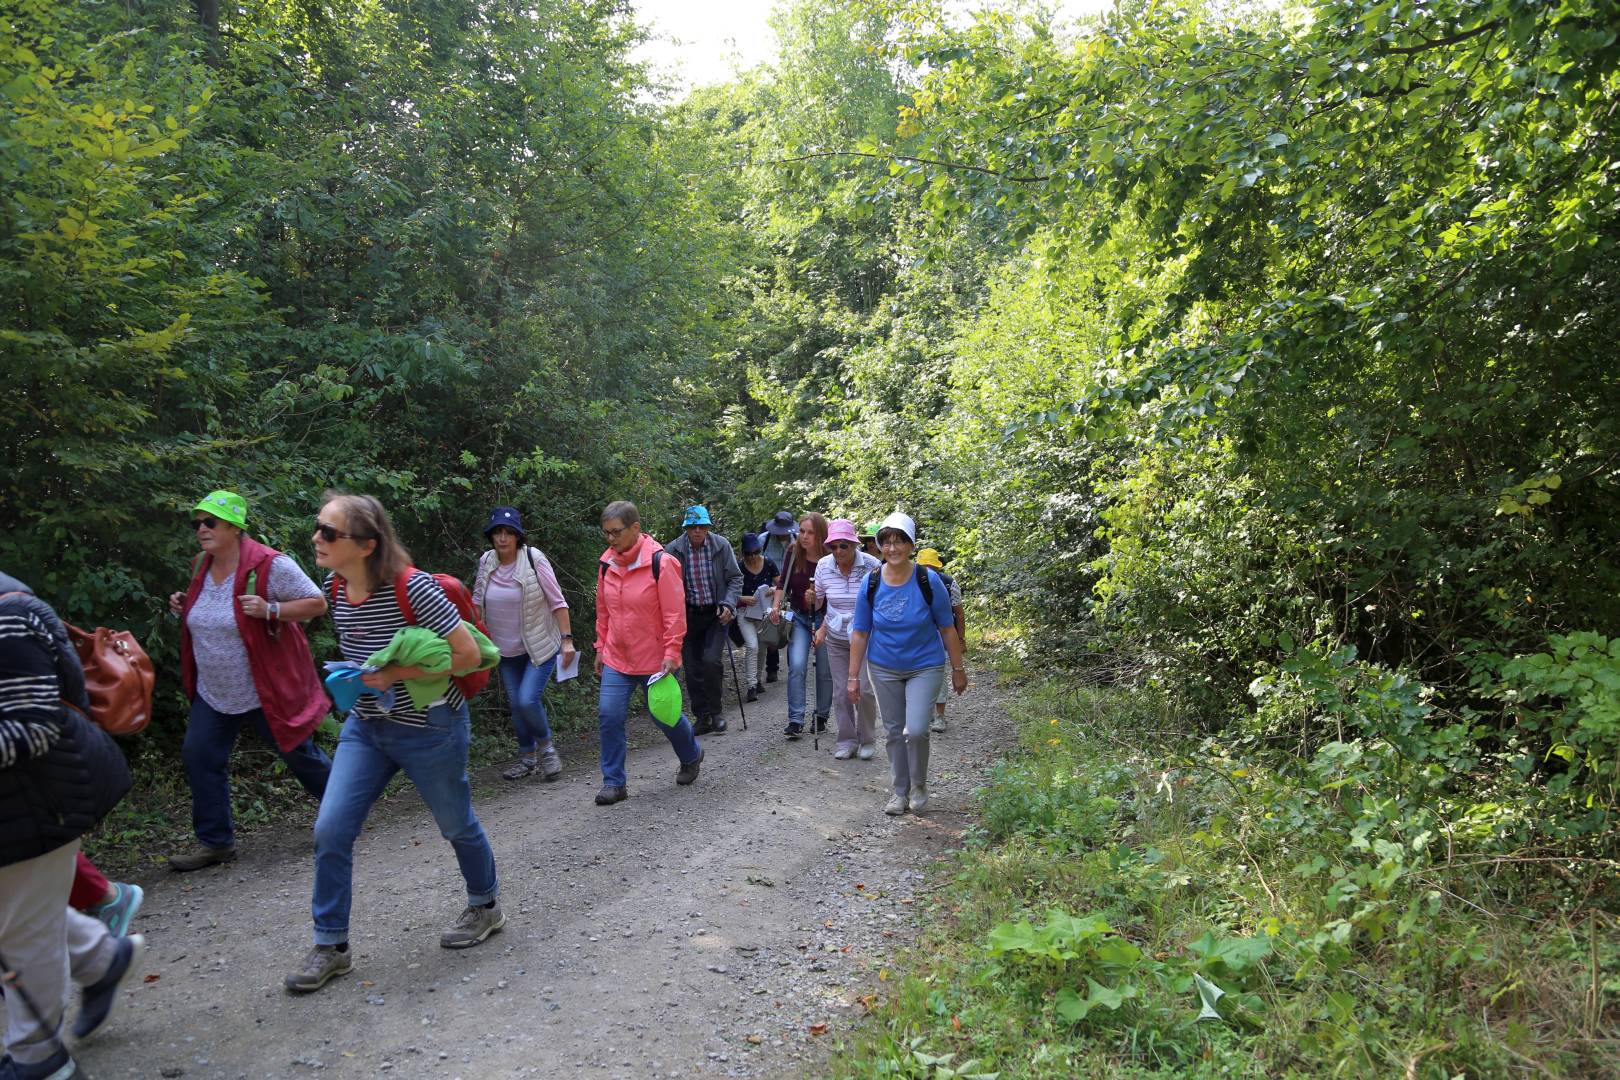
<point>331,535</point>
<point>614,534</point>
<point>894,541</point>
<point>204,523</point>
<point>840,545</point>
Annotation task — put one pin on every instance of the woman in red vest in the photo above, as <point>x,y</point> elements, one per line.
<point>244,660</point>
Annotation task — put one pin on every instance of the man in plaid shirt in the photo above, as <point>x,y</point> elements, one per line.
<point>713,581</point>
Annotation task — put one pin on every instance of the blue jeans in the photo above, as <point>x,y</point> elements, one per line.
<point>613,706</point>
<point>369,753</point>
<point>206,751</point>
<point>525,684</point>
<point>798,660</point>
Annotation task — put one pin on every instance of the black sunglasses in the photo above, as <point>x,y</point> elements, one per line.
<point>204,523</point>
<point>332,536</point>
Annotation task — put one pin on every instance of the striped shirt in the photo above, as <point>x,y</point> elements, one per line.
<point>30,691</point>
<point>365,628</point>
<point>839,591</point>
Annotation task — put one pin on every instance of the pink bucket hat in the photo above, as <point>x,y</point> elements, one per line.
<point>841,529</point>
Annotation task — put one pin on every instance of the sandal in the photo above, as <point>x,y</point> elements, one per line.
<point>524,767</point>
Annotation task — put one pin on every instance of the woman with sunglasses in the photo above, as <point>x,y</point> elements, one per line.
<point>903,633</point>
<point>839,580</point>
<point>244,660</point>
<point>386,733</point>
<point>517,594</point>
<point>798,581</point>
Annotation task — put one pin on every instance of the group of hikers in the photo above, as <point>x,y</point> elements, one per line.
<point>875,616</point>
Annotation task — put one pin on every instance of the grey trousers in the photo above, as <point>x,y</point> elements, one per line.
<point>905,701</point>
<point>857,724</point>
<point>49,946</point>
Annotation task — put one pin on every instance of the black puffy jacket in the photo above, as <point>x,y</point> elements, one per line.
<point>59,773</point>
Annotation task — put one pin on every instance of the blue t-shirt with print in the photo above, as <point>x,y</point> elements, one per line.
<point>904,631</point>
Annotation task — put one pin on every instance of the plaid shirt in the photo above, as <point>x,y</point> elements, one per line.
<point>700,578</point>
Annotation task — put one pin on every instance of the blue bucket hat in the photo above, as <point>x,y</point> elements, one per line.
<point>751,544</point>
<point>505,517</point>
<point>782,524</point>
<point>696,515</point>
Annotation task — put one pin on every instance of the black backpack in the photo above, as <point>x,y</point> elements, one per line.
<point>920,577</point>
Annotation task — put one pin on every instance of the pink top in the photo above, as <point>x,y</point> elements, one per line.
<point>639,622</point>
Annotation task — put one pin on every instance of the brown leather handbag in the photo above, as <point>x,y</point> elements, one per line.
<point>118,678</point>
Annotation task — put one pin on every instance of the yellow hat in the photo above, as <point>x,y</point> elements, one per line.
<point>929,557</point>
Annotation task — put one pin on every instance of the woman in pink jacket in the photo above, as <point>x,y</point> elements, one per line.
<point>640,623</point>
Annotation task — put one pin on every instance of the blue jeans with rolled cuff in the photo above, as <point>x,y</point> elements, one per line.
<point>369,753</point>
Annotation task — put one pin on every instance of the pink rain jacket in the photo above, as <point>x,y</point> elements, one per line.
<point>639,622</point>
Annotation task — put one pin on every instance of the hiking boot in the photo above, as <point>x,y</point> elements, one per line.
<point>821,724</point>
<point>866,751</point>
<point>753,694</point>
<point>688,771</point>
<point>98,1000</point>
<point>610,795</point>
<point>843,753</point>
<point>937,724</point>
<point>476,923</point>
<point>770,676</point>
<point>701,726</point>
<point>525,765</point>
<point>895,806</point>
<point>323,964</point>
<point>59,1066</point>
<point>550,764</point>
<point>717,725</point>
<point>794,729</point>
<point>919,799</point>
<point>120,911</point>
<point>200,856</point>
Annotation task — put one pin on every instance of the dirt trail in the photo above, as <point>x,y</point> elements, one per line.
<point>697,931</point>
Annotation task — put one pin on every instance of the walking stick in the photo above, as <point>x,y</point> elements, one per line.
<point>736,684</point>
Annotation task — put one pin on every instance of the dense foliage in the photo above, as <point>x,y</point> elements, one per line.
<point>440,252</point>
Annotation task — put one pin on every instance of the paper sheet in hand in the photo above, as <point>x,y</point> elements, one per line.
<point>760,609</point>
<point>564,672</point>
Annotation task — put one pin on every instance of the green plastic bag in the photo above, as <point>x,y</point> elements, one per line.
<point>664,699</point>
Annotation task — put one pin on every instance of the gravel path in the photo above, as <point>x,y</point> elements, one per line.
<point>726,929</point>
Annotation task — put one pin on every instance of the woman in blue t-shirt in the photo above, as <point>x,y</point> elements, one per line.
<point>904,637</point>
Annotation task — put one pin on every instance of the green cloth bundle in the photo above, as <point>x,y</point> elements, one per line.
<point>414,646</point>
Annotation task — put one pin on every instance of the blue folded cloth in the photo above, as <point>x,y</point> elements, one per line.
<point>343,683</point>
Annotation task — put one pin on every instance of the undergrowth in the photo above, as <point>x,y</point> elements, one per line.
<point>1138,901</point>
<point>154,819</point>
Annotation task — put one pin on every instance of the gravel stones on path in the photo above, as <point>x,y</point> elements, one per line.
<point>730,928</point>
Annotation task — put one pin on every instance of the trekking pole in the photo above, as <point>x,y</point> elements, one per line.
<point>736,684</point>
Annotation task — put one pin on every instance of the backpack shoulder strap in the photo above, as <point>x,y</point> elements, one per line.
<point>927,587</point>
<point>872,584</point>
<point>402,595</point>
<point>657,563</point>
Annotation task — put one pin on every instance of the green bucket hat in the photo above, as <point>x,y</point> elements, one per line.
<point>664,699</point>
<point>225,505</point>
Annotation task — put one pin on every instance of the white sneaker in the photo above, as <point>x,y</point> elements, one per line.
<point>866,752</point>
<point>938,724</point>
<point>919,799</point>
<point>895,806</point>
<point>843,753</point>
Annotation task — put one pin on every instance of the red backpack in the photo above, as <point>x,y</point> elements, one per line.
<point>474,681</point>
